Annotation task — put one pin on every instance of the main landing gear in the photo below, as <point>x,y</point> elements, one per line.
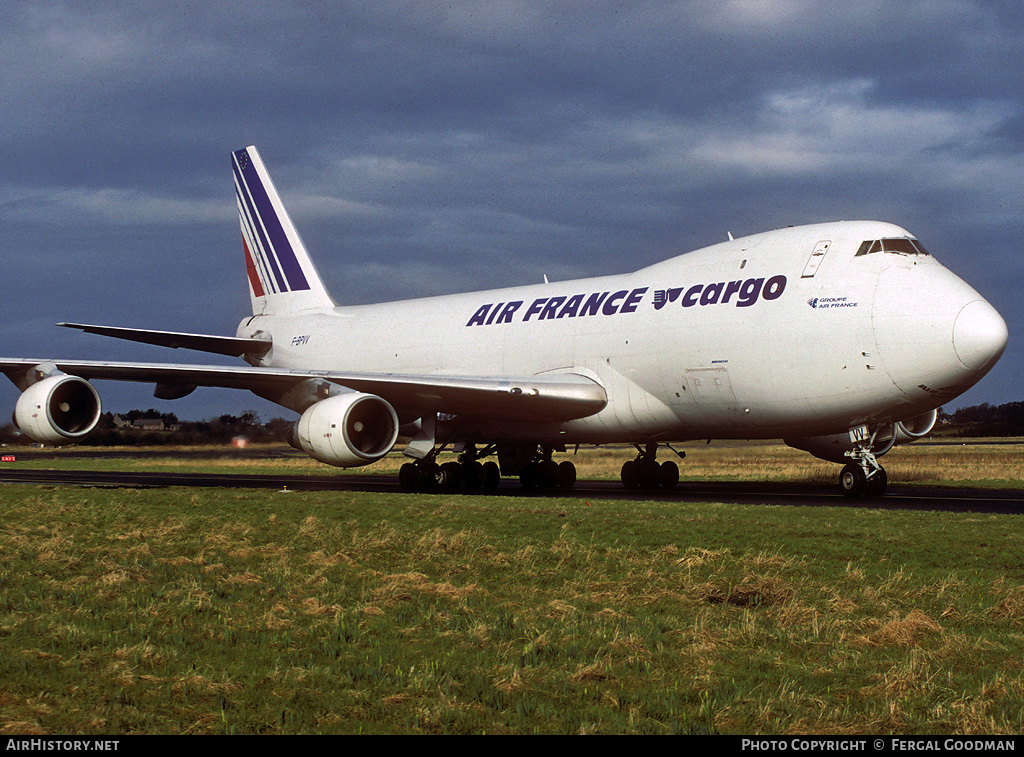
<point>863,476</point>
<point>544,473</point>
<point>532,463</point>
<point>645,473</point>
<point>468,474</point>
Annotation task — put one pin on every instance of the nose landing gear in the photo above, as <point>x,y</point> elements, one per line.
<point>864,476</point>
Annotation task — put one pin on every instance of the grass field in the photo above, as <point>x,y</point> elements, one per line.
<point>243,611</point>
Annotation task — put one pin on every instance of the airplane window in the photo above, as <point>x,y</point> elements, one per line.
<point>920,247</point>
<point>897,245</point>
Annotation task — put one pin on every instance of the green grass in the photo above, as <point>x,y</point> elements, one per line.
<point>223,611</point>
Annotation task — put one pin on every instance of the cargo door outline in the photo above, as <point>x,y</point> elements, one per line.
<point>711,389</point>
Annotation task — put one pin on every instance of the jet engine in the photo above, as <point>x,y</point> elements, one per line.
<point>916,427</point>
<point>346,430</point>
<point>58,410</point>
<point>833,447</point>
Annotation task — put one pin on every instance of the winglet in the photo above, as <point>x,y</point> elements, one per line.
<point>282,277</point>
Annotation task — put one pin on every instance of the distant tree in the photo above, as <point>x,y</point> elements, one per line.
<point>278,428</point>
<point>9,434</point>
<point>988,420</point>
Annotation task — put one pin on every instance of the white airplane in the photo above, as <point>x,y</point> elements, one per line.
<point>840,338</point>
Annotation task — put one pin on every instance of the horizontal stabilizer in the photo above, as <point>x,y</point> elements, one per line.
<point>220,345</point>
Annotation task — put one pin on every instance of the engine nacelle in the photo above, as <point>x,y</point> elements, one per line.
<point>834,447</point>
<point>347,430</point>
<point>60,409</point>
<point>916,427</point>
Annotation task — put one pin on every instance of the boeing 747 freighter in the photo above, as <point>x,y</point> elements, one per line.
<point>841,338</point>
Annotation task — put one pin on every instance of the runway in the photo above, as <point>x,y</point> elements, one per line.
<point>898,496</point>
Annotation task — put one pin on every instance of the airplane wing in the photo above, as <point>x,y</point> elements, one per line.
<point>542,398</point>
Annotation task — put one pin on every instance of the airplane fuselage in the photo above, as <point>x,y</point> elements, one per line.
<point>785,333</point>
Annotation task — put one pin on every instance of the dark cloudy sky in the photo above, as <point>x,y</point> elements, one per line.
<point>434,147</point>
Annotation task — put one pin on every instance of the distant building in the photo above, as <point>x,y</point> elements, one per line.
<point>149,424</point>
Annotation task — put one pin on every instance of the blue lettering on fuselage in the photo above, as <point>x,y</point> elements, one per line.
<point>742,293</point>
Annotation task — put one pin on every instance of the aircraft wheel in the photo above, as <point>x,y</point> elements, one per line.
<point>451,476</point>
<point>650,475</point>
<point>409,477</point>
<point>472,475</point>
<point>530,476</point>
<point>429,477</point>
<point>669,474</point>
<point>630,474</point>
<point>852,480</point>
<point>875,486</point>
<point>566,474</point>
<point>490,475</point>
<point>548,474</point>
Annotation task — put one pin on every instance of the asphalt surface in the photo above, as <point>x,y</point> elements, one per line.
<point>898,497</point>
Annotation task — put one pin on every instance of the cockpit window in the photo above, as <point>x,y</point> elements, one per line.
<point>895,245</point>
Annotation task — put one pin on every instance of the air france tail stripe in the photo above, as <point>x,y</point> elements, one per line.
<point>268,215</point>
<point>280,273</point>
<point>249,236</point>
<point>251,272</point>
<point>257,225</point>
<point>260,256</point>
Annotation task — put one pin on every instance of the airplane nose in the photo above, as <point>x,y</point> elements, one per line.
<point>936,336</point>
<point>979,335</point>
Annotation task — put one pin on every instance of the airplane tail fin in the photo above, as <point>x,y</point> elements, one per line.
<point>282,277</point>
